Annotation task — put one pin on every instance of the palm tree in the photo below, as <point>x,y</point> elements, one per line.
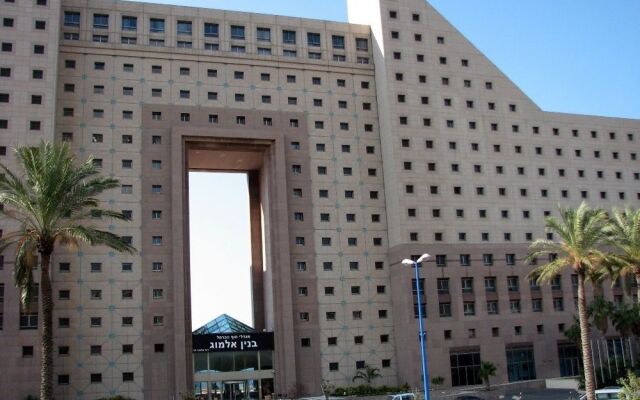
<point>367,374</point>
<point>625,225</point>
<point>50,203</point>
<point>600,312</point>
<point>626,319</point>
<point>487,370</point>
<point>582,232</point>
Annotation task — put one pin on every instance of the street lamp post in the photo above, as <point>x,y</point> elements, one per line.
<point>421,332</point>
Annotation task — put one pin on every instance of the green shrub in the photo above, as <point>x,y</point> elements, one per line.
<point>630,387</point>
<point>364,390</point>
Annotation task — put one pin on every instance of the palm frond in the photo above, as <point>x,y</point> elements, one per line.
<point>25,263</point>
<point>547,272</point>
<point>582,233</point>
<point>94,237</point>
<point>52,201</point>
<point>541,247</point>
<point>625,226</point>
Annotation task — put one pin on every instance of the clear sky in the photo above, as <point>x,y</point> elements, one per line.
<point>575,56</point>
<point>220,248</point>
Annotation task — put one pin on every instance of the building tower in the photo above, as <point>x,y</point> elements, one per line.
<point>364,143</point>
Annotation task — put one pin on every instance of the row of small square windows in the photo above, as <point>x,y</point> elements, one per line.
<point>422,78</point>
<point>467,286</point>
<point>327,241</point>
<point>157,69</point>
<point>335,366</point>
<point>411,213</point>
<point>301,266</point>
<point>482,213</point>
<point>213,73</point>
<point>99,138</point>
<point>326,217</point>
<point>186,117</point>
<point>415,17</point>
<point>490,284</point>
<point>330,290</point>
<point>96,294</point>
<point>96,267</point>
<point>457,190</point>
<point>418,38</point>
<point>186,94</point>
<point>442,60</point>
<point>518,149</point>
<point>477,168</point>
<point>448,102</point>
<point>333,340</point>
<point>96,378</point>
<point>492,307</point>
<point>212,30</point>
<point>520,170</point>
<point>94,350</point>
<point>495,331</point>
<point>30,321</point>
<point>445,310</point>
<point>9,22</point>
<point>500,170</point>
<point>403,120</point>
<point>332,316</point>
<point>214,47</point>
<point>484,236</point>
<point>524,192</point>
<point>157,139</point>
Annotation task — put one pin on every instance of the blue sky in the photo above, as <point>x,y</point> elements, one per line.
<point>575,56</point>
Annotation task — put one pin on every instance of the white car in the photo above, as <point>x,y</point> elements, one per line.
<point>402,396</point>
<point>607,393</point>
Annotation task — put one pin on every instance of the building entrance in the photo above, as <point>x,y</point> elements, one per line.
<point>231,361</point>
<point>234,391</point>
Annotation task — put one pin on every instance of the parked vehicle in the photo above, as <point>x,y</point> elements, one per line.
<point>607,393</point>
<point>402,396</point>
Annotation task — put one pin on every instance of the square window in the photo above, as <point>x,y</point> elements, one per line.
<point>129,23</point>
<point>313,39</point>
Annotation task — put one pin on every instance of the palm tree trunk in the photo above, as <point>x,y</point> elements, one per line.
<point>585,338</point>
<point>638,285</point>
<point>46,370</point>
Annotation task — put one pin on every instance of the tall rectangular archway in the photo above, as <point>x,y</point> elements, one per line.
<point>228,146</point>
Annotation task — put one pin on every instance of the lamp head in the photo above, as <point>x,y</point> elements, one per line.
<point>406,261</point>
<point>423,257</point>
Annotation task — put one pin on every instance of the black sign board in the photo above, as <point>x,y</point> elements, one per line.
<point>233,342</point>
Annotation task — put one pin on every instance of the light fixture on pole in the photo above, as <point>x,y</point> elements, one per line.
<point>421,332</point>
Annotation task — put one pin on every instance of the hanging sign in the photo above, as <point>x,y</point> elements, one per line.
<point>233,342</point>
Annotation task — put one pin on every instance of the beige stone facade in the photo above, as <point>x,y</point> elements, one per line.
<point>364,144</point>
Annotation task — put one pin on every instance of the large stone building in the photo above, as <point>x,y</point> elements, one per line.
<point>364,143</point>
